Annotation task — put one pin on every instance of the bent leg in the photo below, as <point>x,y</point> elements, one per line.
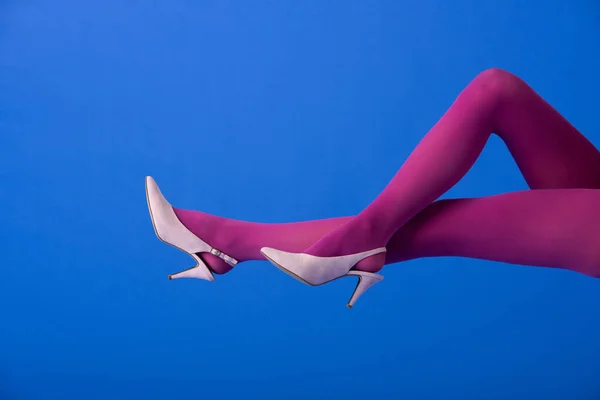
<point>549,151</point>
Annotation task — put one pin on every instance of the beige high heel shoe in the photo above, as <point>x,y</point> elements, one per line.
<point>315,271</point>
<point>170,230</point>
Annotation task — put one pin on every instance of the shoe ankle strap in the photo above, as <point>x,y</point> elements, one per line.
<point>218,253</point>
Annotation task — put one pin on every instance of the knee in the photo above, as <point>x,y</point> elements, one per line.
<point>497,78</point>
<point>499,85</point>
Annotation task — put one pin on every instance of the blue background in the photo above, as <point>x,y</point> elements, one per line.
<point>269,111</point>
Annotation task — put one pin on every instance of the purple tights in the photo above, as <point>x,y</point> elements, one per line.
<point>555,224</point>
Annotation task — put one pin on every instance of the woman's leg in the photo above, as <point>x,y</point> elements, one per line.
<point>551,228</point>
<point>549,151</point>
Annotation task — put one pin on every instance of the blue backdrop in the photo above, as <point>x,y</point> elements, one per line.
<point>269,111</point>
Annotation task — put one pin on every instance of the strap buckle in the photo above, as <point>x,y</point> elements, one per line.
<point>218,253</point>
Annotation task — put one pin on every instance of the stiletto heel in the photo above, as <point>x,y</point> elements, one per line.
<point>315,270</point>
<point>170,230</point>
<point>194,272</point>
<point>365,281</point>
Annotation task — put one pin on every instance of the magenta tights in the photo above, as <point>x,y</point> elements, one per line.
<point>556,224</point>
